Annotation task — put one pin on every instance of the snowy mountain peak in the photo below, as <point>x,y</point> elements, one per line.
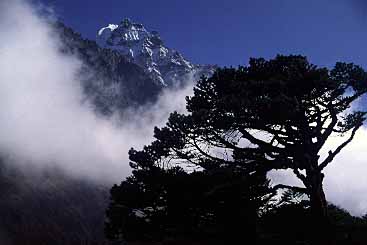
<point>146,49</point>
<point>129,38</point>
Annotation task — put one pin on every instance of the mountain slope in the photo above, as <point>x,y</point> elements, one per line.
<point>48,207</point>
<point>128,73</point>
<point>109,79</point>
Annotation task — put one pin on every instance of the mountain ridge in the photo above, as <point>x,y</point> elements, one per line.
<point>146,48</point>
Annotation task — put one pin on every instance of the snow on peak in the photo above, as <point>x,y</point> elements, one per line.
<point>146,49</point>
<point>126,35</point>
<point>110,28</point>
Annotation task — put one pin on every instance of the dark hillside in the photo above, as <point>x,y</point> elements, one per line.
<point>49,207</point>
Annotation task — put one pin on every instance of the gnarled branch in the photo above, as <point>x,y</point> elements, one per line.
<point>332,154</point>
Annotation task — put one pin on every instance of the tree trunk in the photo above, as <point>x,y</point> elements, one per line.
<point>319,222</point>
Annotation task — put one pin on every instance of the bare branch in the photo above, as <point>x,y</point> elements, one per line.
<point>205,153</point>
<point>261,143</point>
<point>300,176</point>
<point>339,148</point>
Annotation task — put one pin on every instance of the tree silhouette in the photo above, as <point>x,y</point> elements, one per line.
<point>156,204</point>
<point>279,114</point>
<point>160,204</point>
<point>275,114</point>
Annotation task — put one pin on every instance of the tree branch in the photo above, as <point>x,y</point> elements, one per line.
<point>339,148</point>
<point>261,143</point>
<point>329,130</point>
<point>300,176</point>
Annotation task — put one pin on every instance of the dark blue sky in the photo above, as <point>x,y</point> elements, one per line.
<point>229,32</point>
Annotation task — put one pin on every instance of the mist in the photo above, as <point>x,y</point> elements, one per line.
<point>44,119</point>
